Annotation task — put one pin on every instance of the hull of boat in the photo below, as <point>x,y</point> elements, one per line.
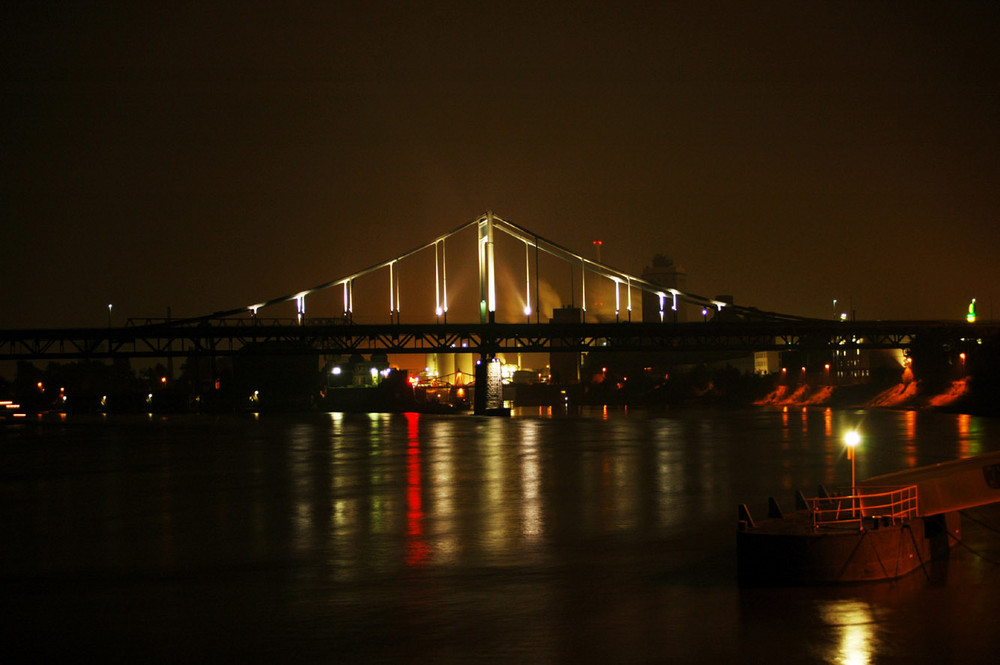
<point>790,551</point>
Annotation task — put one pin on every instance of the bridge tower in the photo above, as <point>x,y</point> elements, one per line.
<point>488,395</point>
<point>487,281</point>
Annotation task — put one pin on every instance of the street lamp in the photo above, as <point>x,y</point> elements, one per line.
<point>109,315</point>
<point>851,440</point>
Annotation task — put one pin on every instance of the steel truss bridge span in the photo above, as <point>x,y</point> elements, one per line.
<point>323,338</point>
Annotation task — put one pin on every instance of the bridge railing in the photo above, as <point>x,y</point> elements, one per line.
<point>886,505</point>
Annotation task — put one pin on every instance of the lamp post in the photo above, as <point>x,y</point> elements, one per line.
<point>851,440</point>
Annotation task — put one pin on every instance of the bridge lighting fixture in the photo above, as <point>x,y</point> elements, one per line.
<point>300,305</point>
<point>527,281</point>
<point>347,301</point>
<point>437,283</point>
<point>393,291</point>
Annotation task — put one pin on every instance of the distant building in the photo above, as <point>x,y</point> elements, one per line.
<point>669,275</point>
<point>766,362</point>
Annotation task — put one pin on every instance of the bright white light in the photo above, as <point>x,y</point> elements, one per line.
<point>527,310</point>
<point>852,438</point>
<point>335,371</point>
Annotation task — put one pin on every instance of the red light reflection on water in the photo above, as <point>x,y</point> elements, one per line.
<point>417,550</point>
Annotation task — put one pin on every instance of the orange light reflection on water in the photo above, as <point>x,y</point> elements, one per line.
<point>910,446</point>
<point>965,445</point>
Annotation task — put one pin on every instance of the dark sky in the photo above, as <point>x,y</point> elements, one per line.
<point>205,155</point>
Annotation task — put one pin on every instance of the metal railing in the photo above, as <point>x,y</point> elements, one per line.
<point>881,505</point>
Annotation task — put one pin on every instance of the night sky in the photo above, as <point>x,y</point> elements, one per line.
<point>203,156</point>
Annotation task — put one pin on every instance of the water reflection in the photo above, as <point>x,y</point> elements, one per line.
<point>855,635</point>
<point>531,479</point>
<point>396,538</point>
<point>964,444</point>
<point>442,490</point>
<point>417,550</point>
<point>910,439</point>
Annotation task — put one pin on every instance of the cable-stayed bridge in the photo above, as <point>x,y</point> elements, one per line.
<point>583,271</point>
<point>635,314</point>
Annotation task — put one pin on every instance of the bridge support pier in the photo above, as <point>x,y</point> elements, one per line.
<point>488,397</point>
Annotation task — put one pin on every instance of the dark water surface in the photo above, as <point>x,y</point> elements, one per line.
<point>603,537</point>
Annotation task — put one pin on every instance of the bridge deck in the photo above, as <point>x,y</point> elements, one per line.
<point>228,337</point>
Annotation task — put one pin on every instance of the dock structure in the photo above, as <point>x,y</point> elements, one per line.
<point>889,526</point>
<point>949,486</point>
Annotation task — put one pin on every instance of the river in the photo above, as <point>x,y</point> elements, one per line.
<point>597,536</point>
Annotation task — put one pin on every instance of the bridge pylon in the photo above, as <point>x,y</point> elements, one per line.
<point>487,279</point>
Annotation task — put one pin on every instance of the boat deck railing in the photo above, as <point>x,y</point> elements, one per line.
<point>881,506</point>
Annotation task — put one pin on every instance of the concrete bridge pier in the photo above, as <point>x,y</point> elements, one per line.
<point>488,396</point>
